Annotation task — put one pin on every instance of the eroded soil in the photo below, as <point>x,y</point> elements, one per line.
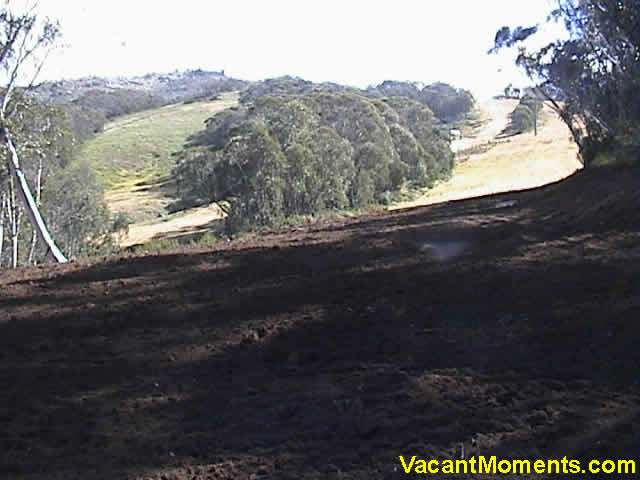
<point>328,351</point>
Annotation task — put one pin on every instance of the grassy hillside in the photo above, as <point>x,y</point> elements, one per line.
<point>136,149</point>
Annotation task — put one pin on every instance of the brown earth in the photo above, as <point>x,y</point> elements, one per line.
<point>331,350</point>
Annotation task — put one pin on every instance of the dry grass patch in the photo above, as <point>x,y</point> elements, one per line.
<point>524,161</point>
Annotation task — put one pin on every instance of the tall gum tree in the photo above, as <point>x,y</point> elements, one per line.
<point>592,76</point>
<point>25,41</point>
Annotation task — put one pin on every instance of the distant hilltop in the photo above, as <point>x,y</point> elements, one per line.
<point>92,101</point>
<point>172,87</point>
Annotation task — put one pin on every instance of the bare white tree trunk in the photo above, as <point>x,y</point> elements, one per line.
<point>32,250</point>
<point>25,38</point>
<point>27,199</point>
<point>15,217</point>
<point>14,250</point>
<point>34,234</point>
<point>3,212</point>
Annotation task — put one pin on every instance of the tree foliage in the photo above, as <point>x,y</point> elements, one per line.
<point>526,115</point>
<point>522,119</point>
<point>288,85</point>
<point>119,102</point>
<point>37,144</point>
<point>447,102</point>
<point>591,78</point>
<point>303,154</point>
<point>69,195</point>
<point>76,212</point>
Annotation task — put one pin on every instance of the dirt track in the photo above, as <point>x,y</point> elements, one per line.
<point>329,351</point>
<point>497,113</point>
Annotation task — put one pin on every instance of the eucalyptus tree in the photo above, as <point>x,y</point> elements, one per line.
<point>592,77</point>
<point>25,41</point>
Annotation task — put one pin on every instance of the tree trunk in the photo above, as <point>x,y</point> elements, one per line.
<point>3,206</point>
<point>14,218</point>
<point>14,247</point>
<point>27,199</point>
<point>34,235</point>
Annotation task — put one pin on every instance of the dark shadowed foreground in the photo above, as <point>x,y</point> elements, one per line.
<point>327,352</point>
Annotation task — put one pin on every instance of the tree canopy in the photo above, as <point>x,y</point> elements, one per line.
<point>302,154</point>
<point>35,170</point>
<point>592,77</point>
<point>447,102</point>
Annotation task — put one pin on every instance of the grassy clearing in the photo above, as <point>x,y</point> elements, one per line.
<point>182,224</point>
<point>135,150</point>
<point>133,157</point>
<point>486,166</point>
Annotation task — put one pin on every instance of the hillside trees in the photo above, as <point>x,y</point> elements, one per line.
<point>90,102</point>
<point>35,136</point>
<point>526,115</point>
<point>78,218</point>
<point>287,85</point>
<point>303,154</point>
<point>447,102</point>
<point>84,121</point>
<point>67,194</point>
<point>591,78</point>
<point>22,39</point>
<point>89,112</point>
<point>522,119</point>
<point>37,143</point>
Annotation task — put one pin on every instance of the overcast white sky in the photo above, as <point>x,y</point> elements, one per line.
<point>352,42</point>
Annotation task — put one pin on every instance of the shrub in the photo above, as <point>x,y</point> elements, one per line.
<point>522,119</point>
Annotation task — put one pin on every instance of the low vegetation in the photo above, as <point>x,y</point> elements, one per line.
<point>526,116</point>
<point>304,154</point>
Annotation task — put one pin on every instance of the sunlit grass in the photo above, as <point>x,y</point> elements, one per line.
<point>136,149</point>
<point>517,163</point>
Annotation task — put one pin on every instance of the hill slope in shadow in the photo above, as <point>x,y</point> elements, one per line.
<point>329,351</point>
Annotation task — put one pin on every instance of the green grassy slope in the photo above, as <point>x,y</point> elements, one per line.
<point>136,149</point>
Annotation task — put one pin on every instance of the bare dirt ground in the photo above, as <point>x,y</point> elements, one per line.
<point>328,351</point>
